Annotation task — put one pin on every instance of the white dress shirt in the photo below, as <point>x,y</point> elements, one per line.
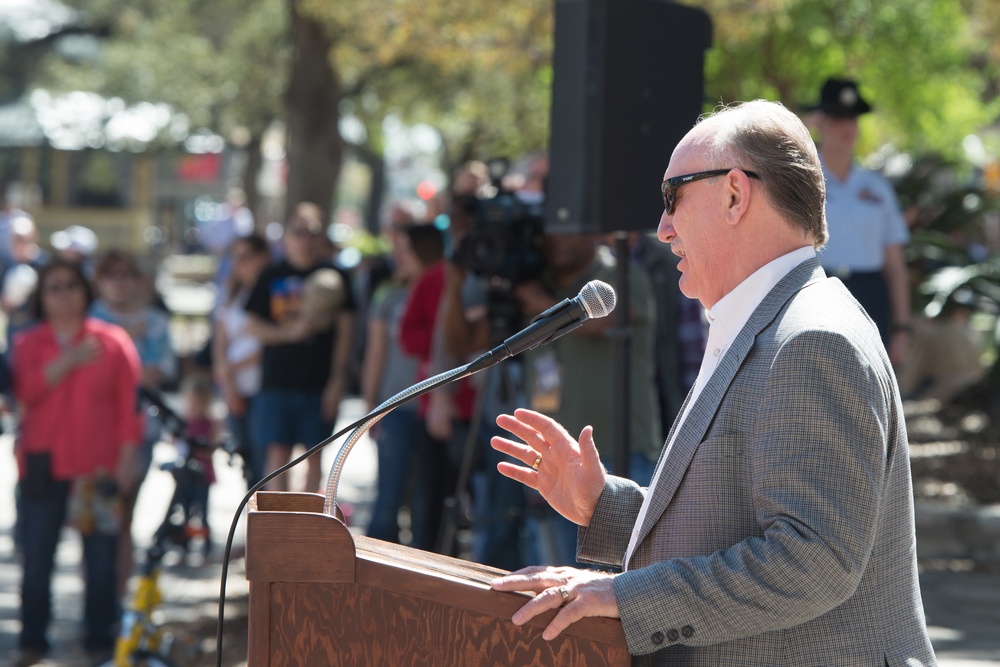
<point>726,319</point>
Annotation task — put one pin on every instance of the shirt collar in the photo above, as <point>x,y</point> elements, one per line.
<point>732,311</point>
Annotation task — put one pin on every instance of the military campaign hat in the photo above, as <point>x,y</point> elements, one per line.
<point>840,97</point>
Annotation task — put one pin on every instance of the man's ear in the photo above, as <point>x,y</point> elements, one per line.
<point>738,194</point>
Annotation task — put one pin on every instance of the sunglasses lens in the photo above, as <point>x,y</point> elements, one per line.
<point>668,199</point>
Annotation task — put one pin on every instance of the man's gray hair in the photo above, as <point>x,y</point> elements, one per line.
<point>767,138</point>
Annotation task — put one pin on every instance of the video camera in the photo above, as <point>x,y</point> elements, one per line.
<point>505,247</point>
<point>506,240</point>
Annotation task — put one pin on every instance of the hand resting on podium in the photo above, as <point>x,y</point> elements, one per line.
<point>569,475</point>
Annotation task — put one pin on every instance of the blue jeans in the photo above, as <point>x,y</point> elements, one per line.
<point>242,432</point>
<point>396,442</point>
<point>435,481</point>
<point>42,522</point>
<point>640,468</point>
<point>499,504</point>
<point>289,417</point>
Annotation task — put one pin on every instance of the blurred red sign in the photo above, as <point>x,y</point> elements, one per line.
<point>200,167</point>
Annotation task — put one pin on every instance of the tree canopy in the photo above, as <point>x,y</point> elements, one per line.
<point>928,66</point>
<point>480,72</point>
<point>221,63</point>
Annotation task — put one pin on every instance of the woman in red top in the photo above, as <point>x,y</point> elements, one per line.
<point>75,379</point>
<point>440,449</point>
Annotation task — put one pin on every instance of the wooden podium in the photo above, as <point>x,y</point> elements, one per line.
<point>320,597</point>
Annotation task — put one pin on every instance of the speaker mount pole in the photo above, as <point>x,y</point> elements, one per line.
<point>621,351</point>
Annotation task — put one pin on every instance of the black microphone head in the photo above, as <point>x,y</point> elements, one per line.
<point>598,298</point>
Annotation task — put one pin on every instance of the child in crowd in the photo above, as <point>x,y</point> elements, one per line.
<point>202,429</point>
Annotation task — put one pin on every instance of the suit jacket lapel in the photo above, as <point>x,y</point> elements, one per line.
<point>690,434</point>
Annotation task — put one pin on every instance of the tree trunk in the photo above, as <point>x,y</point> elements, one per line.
<point>376,165</point>
<point>315,148</point>
<point>251,170</point>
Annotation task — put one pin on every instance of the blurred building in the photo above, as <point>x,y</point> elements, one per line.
<point>138,175</point>
<point>80,159</point>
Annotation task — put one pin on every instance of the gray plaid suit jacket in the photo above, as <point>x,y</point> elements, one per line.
<point>781,529</point>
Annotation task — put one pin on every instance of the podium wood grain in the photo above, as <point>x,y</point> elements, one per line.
<point>320,597</point>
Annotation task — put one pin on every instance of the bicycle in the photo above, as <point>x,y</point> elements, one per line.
<point>142,641</point>
<point>187,513</point>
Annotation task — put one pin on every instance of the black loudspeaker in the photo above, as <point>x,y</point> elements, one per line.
<point>628,85</point>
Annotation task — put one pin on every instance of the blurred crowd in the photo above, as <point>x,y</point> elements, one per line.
<point>89,355</point>
<point>293,331</point>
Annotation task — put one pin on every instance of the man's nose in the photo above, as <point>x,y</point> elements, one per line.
<point>665,230</point>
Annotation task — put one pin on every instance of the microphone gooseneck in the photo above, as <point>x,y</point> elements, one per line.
<point>333,480</point>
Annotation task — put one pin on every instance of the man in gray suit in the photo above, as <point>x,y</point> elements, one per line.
<point>778,528</point>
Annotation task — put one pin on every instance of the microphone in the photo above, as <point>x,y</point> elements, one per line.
<point>596,299</point>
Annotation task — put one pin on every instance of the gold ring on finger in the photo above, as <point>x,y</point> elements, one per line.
<point>564,592</point>
<point>538,459</point>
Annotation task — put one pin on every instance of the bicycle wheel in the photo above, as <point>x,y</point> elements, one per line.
<point>145,661</point>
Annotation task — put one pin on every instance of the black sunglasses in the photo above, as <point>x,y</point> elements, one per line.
<point>670,186</point>
<point>303,232</point>
<point>60,288</point>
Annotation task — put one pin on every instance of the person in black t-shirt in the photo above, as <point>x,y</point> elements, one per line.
<point>304,369</point>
